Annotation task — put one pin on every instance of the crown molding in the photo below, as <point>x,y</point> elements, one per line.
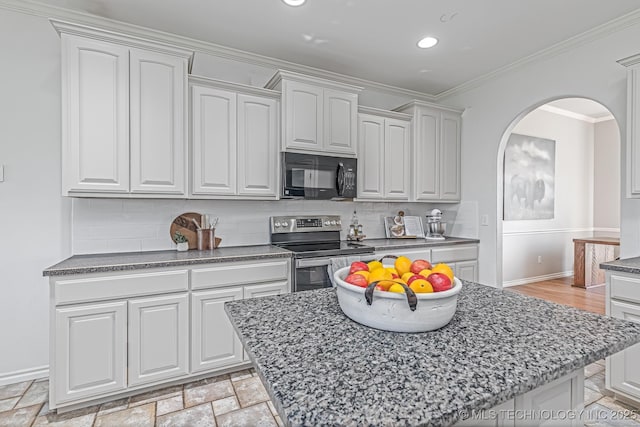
<point>31,7</point>
<point>236,87</point>
<point>600,31</point>
<point>573,115</point>
<point>280,75</point>
<point>629,61</point>
<point>409,106</point>
<point>383,113</point>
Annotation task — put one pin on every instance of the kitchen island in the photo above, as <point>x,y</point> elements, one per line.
<point>321,368</point>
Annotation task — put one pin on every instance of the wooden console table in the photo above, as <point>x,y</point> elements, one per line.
<point>579,256</point>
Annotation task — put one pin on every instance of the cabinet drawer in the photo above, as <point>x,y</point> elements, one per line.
<point>120,286</point>
<point>458,253</point>
<point>240,273</point>
<point>626,288</point>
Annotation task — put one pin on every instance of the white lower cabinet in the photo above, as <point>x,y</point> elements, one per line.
<point>90,350</point>
<point>623,302</point>
<point>466,270</point>
<point>158,330</point>
<point>214,343</point>
<point>119,332</point>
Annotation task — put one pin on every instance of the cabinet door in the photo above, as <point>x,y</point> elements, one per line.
<point>303,106</point>
<point>257,172</point>
<point>158,338</point>
<point>450,156</point>
<point>90,350</point>
<point>633,132</point>
<point>624,374</point>
<point>213,340</point>
<point>266,289</point>
<point>340,121</point>
<point>95,116</point>
<point>214,142</point>
<point>396,159</point>
<point>466,270</point>
<point>371,157</point>
<point>158,132</point>
<point>426,167</point>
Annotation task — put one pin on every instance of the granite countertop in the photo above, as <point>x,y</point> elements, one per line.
<point>629,265</point>
<point>321,368</point>
<point>389,244</point>
<point>82,264</point>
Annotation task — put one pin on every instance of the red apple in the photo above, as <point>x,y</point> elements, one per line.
<point>418,265</point>
<point>440,282</point>
<point>358,266</point>
<point>357,279</point>
<point>415,277</point>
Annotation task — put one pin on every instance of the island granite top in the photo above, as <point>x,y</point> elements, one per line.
<point>83,264</point>
<point>629,265</point>
<point>321,368</point>
<point>391,244</point>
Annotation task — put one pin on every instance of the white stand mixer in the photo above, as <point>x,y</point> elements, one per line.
<point>435,227</point>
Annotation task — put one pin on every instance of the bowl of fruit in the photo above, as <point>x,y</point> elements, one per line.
<point>406,296</point>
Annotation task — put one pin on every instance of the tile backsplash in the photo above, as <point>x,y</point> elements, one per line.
<point>132,225</point>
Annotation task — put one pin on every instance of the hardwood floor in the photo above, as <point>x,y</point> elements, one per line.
<point>561,292</point>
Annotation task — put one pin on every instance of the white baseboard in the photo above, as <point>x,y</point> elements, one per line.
<point>24,375</point>
<point>527,280</point>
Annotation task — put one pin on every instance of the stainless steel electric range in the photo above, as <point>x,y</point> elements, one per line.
<point>315,241</point>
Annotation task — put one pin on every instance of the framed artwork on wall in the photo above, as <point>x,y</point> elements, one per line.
<point>529,178</point>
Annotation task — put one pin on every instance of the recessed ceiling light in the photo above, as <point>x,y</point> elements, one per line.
<point>294,2</point>
<point>427,42</point>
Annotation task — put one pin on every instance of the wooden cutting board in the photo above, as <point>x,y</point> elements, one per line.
<point>184,224</point>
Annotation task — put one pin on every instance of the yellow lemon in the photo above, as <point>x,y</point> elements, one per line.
<point>406,276</point>
<point>425,273</point>
<point>379,274</point>
<point>396,287</point>
<point>444,269</point>
<point>374,265</point>
<point>402,265</point>
<point>393,271</point>
<point>363,273</point>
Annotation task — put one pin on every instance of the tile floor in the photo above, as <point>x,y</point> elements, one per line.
<point>234,400</point>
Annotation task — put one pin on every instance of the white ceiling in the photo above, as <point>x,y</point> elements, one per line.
<point>374,39</point>
<point>582,106</point>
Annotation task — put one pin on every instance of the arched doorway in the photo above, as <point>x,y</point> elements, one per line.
<point>538,216</point>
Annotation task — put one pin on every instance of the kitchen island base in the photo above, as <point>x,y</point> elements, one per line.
<point>558,403</point>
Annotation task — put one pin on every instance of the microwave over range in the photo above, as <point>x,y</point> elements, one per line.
<point>310,176</point>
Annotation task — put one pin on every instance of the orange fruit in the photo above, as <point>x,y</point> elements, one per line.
<point>373,265</point>
<point>402,265</point>
<point>393,271</point>
<point>421,286</point>
<point>444,269</point>
<point>396,287</point>
<point>363,273</point>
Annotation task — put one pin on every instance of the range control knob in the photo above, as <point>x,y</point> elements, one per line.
<point>339,222</point>
<point>285,224</point>
<point>327,222</point>
<point>277,224</point>
<point>333,222</point>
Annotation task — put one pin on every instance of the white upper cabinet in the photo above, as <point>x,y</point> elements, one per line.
<point>234,140</point>
<point>95,116</point>
<point>123,116</point>
<point>319,116</point>
<point>383,155</point>
<point>435,152</point>
<point>158,137</point>
<point>633,125</point>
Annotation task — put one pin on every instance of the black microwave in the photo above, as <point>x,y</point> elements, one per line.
<point>310,176</point>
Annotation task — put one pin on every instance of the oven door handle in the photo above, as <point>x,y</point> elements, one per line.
<point>312,262</point>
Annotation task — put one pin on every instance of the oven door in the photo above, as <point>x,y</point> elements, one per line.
<point>310,176</point>
<point>311,273</point>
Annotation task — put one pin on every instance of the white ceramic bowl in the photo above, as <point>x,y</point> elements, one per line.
<point>390,311</point>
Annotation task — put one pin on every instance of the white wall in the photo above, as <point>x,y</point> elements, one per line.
<point>552,239</point>
<point>35,217</point>
<point>606,190</point>
<point>493,106</point>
